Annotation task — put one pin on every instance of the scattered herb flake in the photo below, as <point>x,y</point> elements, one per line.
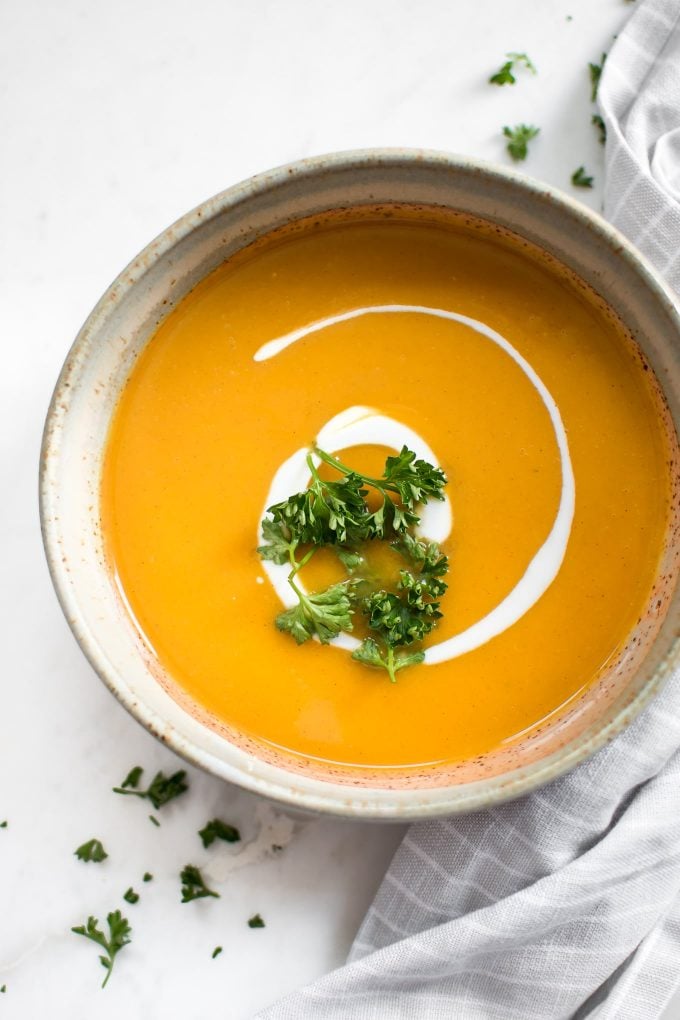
<point>256,922</point>
<point>3,989</point>
<point>193,885</point>
<point>580,178</point>
<point>216,951</point>
<point>162,790</point>
<point>119,936</point>
<point>92,851</point>
<point>601,127</point>
<point>131,780</point>
<point>595,71</point>
<point>519,138</point>
<point>218,829</point>
<point>3,825</point>
<point>148,877</point>
<point>131,896</point>
<point>154,821</point>
<point>504,75</point>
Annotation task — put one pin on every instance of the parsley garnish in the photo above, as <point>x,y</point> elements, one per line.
<point>162,790</point>
<point>504,75</point>
<point>3,989</point>
<point>3,825</point>
<point>154,821</point>
<point>216,951</point>
<point>601,127</point>
<point>148,877</point>
<point>131,896</point>
<point>92,851</point>
<point>193,885</point>
<point>519,138</point>
<point>218,830</point>
<point>335,513</point>
<point>595,71</point>
<point>580,179</point>
<point>119,936</point>
<point>256,922</point>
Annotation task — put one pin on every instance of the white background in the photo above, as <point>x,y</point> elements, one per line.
<point>116,118</point>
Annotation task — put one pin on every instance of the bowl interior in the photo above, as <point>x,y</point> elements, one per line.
<point>101,360</point>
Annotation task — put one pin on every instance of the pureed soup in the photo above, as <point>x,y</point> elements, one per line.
<point>364,333</point>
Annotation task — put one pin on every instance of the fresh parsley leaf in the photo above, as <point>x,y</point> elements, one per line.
<point>350,558</point>
<point>595,71</point>
<point>3,825</point>
<point>193,885</point>
<point>3,989</point>
<point>519,138</point>
<point>132,778</point>
<point>504,75</point>
<point>369,654</point>
<point>131,896</point>
<point>256,922</point>
<point>580,179</point>
<point>323,614</point>
<point>216,951</point>
<point>118,938</point>
<point>154,821</point>
<point>148,877</point>
<point>278,546</point>
<point>162,789</point>
<point>218,829</point>
<point>92,851</point>
<point>597,121</point>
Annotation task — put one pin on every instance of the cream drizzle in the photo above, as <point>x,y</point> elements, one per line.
<point>361,425</point>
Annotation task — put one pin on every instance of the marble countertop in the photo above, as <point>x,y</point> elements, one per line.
<point>116,119</point>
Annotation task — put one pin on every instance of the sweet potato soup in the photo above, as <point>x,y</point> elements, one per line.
<point>364,334</point>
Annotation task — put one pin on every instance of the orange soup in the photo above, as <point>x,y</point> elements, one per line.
<point>374,331</point>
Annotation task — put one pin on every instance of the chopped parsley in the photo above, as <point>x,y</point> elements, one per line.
<point>118,938</point>
<point>131,896</point>
<point>218,829</point>
<point>3,825</point>
<point>154,821</point>
<point>597,121</point>
<point>148,877</point>
<point>92,851</point>
<point>595,72</point>
<point>162,790</point>
<point>193,885</point>
<point>256,922</point>
<point>504,75</point>
<point>519,138</point>
<point>580,178</point>
<point>216,951</point>
<point>3,989</point>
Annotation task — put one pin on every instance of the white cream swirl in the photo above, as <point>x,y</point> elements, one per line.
<point>361,425</point>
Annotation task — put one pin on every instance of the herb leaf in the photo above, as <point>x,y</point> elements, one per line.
<point>597,121</point>
<point>147,877</point>
<point>504,75</point>
<point>580,179</point>
<point>256,922</point>
<point>595,71</point>
<point>193,885</point>
<point>162,789</point>
<point>131,896</point>
<point>216,951</point>
<point>218,829</point>
<point>323,614</point>
<point>92,851</point>
<point>519,138</point>
<point>119,936</point>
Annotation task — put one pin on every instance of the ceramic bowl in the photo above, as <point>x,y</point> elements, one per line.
<point>103,355</point>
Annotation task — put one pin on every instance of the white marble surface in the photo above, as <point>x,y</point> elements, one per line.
<point>115,119</point>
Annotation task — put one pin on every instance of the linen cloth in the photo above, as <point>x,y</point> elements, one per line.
<point>563,904</point>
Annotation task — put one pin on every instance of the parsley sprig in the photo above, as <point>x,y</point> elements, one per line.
<point>519,138</point>
<point>118,938</point>
<point>193,884</point>
<point>335,513</point>
<point>162,789</point>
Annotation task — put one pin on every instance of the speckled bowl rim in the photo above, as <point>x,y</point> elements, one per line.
<point>274,782</point>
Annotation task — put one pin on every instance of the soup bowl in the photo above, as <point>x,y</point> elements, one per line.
<point>95,373</point>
